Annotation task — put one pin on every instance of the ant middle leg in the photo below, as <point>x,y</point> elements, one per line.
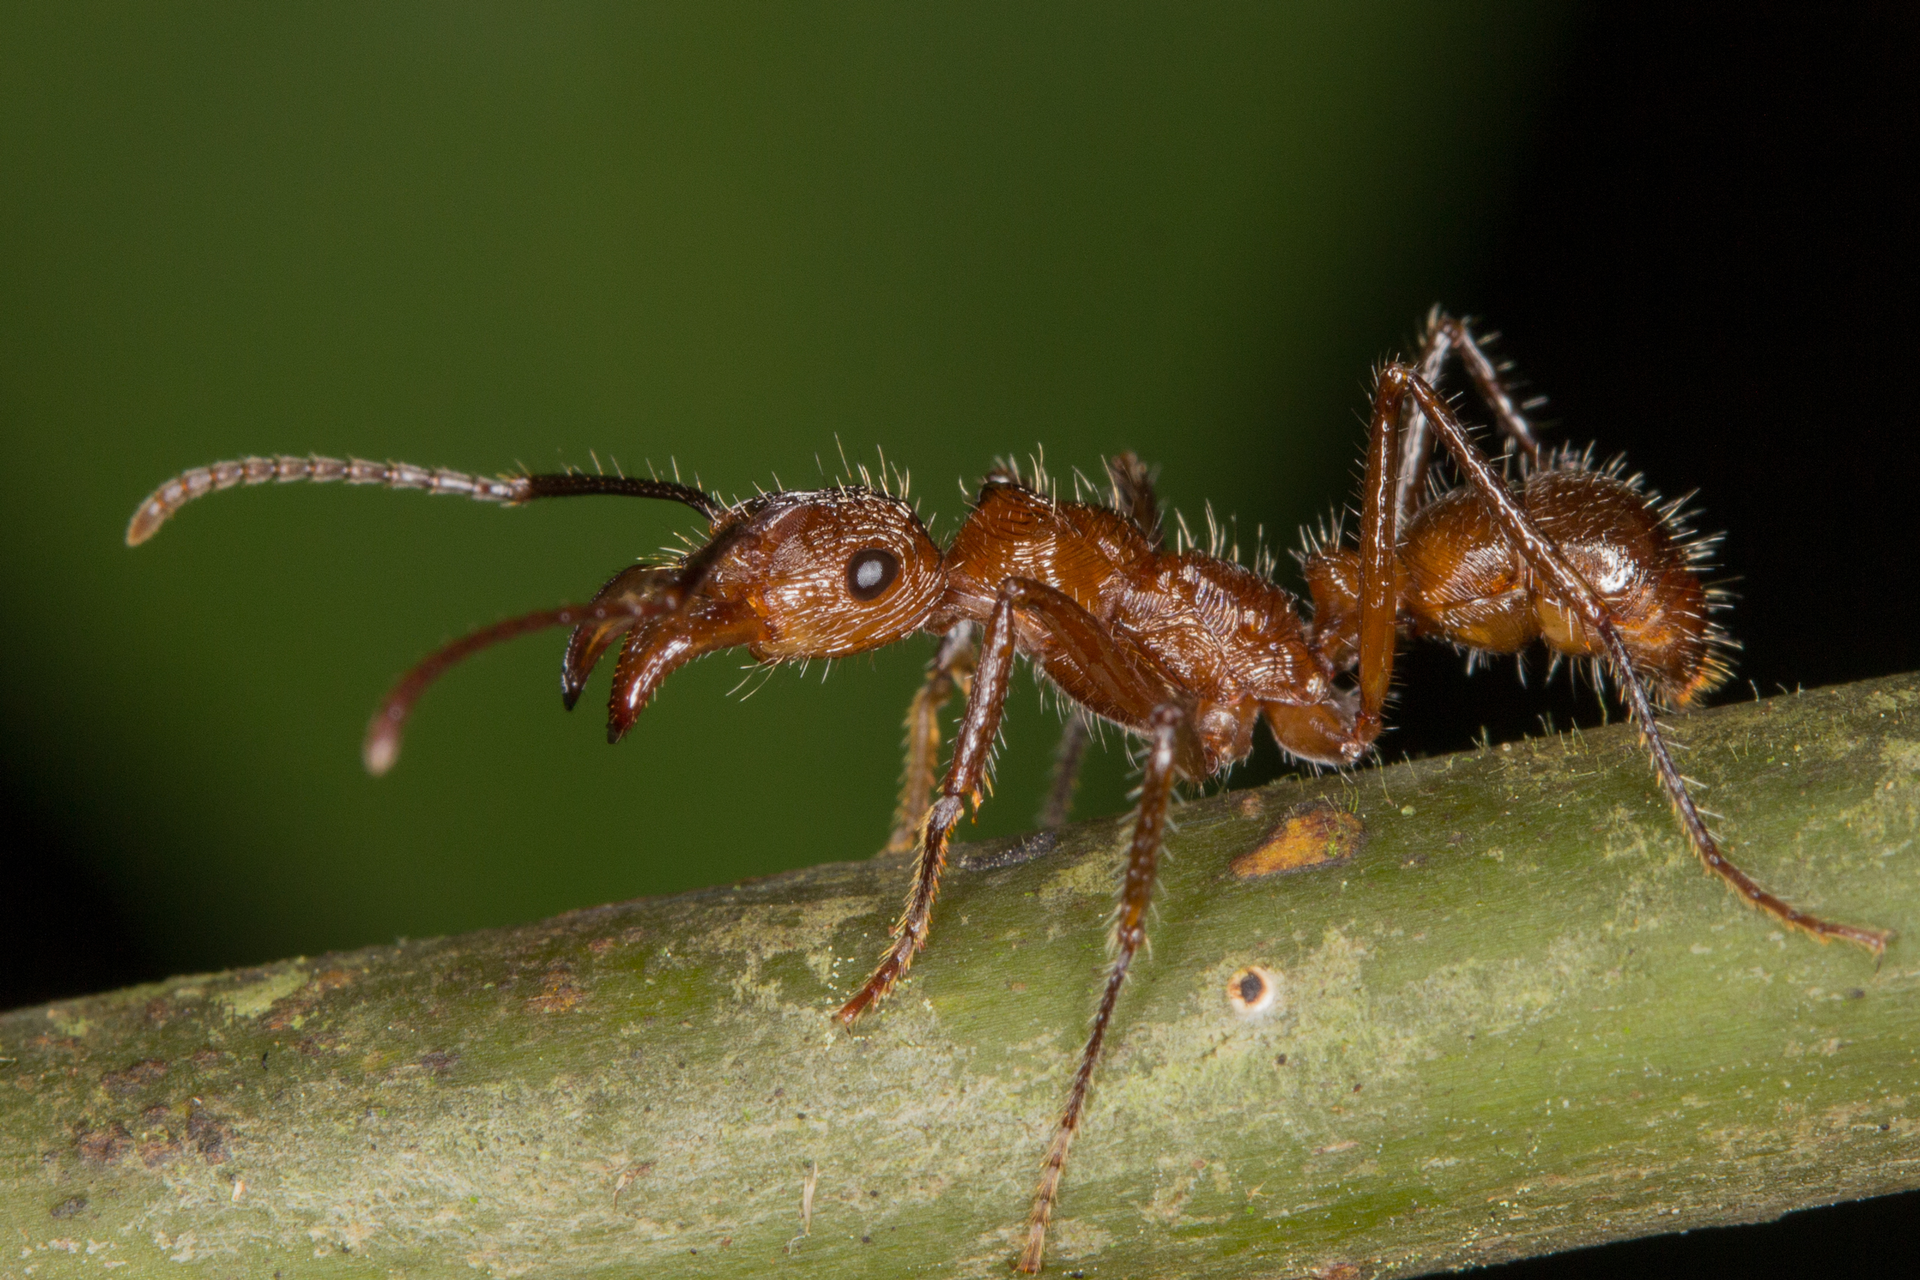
<point>1164,749</point>
<point>1131,494</point>
<point>1068,755</point>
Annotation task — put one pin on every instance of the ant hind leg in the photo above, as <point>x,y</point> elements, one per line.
<point>1545,558</point>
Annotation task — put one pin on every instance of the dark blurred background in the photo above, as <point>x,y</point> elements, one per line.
<point>488,235</point>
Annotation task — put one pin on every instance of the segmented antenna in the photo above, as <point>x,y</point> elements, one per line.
<point>575,484</point>
<point>162,503</point>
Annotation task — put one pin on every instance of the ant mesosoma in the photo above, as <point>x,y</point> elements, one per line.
<point>1184,649</point>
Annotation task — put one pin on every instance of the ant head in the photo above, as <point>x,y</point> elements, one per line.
<point>821,574</point>
<point>829,572</point>
<point>786,575</point>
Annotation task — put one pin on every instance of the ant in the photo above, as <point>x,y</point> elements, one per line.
<point>1185,649</point>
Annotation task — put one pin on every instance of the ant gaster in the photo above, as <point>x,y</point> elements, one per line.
<point>1185,649</point>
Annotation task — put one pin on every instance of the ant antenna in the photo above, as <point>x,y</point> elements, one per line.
<point>576,485</point>
<point>381,747</point>
<point>161,505</point>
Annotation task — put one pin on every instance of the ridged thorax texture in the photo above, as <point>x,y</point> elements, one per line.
<point>1219,638</point>
<point>1016,532</point>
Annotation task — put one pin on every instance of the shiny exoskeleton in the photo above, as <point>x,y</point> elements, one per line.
<point>1187,650</point>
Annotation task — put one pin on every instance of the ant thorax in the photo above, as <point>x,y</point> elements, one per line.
<point>1222,635</point>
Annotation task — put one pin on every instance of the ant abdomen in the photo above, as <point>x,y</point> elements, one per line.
<point>1466,584</point>
<point>1459,579</point>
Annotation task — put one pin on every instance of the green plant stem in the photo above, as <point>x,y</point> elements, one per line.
<point>1518,1020</point>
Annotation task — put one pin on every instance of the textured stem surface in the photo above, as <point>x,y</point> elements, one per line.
<point>1516,1019</point>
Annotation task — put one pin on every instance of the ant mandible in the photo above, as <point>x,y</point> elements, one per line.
<point>1184,649</point>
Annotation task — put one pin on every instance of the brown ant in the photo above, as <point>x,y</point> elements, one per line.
<point>1185,649</point>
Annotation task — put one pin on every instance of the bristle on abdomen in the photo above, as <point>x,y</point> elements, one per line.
<point>163,502</point>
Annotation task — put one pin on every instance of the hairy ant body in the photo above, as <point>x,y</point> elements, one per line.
<point>1186,650</point>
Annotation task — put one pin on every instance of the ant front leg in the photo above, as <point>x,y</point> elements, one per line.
<point>1094,665</point>
<point>972,751</point>
<point>1572,592</point>
<point>1079,653</point>
<point>1132,495</point>
<point>952,666</point>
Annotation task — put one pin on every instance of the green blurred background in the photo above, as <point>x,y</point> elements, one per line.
<point>486,235</point>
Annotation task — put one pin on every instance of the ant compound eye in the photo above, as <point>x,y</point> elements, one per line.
<point>871,572</point>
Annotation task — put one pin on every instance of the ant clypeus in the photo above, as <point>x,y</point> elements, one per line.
<point>1185,649</point>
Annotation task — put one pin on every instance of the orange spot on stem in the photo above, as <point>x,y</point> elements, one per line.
<point>1314,834</point>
